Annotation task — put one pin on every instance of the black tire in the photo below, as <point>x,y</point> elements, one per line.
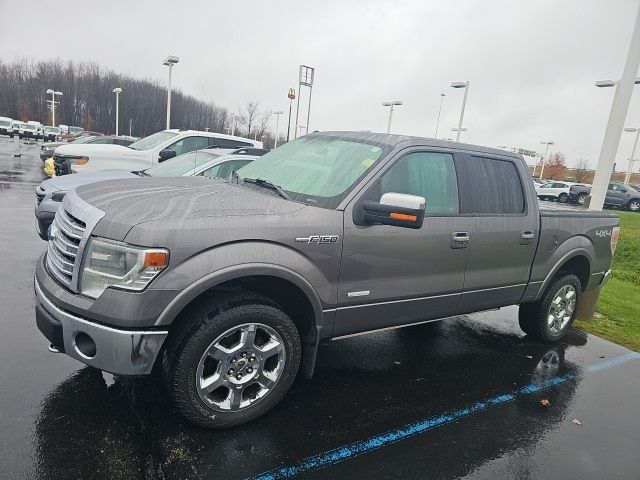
<point>580,198</point>
<point>204,324</point>
<point>533,316</point>
<point>563,198</point>
<point>20,137</point>
<point>634,205</point>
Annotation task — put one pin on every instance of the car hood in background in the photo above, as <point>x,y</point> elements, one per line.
<point>175,202</point>
<point>87,149</point>
<point>69,182</point>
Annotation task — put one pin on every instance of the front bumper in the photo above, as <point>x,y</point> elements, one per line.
<point>605,278</point>
<point>121,352</point>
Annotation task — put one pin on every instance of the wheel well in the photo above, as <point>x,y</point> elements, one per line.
<point>288,296</point>
<point>579,266</point>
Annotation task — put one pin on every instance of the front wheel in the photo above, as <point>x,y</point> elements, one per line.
<point>234,363</point>
<point>634,205</point>
<point>550,318</point>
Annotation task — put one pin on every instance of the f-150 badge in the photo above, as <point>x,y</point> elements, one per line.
<point>318,239</point>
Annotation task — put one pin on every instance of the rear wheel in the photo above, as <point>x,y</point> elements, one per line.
<point>234,363</point>
<point>581,198</point>
<point>634,205</point>
<point>563,197</point>
<point>550,318</point>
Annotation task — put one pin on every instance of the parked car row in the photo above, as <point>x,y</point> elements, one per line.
<point>618,196</point>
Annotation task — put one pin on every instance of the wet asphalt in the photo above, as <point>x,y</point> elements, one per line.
<point>457,399</point>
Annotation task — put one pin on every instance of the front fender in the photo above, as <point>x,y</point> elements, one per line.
<point>236,260</point>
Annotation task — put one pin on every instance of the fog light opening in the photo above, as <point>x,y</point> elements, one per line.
<point>85,345</point>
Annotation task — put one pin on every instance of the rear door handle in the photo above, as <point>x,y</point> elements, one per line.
<point>526,237</point>
<point>460,239</point>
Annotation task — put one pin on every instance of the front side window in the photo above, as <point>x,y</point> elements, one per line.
<point>316,169</point>
<point>425,174</point>
<point>224,169</point>
<point>147,143</point>
<point>188,144</point>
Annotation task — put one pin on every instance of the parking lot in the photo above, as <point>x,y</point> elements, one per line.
<point>469,397</point>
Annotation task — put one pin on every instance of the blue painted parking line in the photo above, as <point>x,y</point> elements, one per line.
<point>345,452</point>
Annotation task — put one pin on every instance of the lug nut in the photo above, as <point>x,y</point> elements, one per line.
<point>233,360</point>
<point>244,355</point>
<point>239,376</point>
<point>230,372</point>
<point>249,370</point>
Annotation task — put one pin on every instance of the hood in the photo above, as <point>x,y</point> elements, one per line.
<point>175,201</point>
<point>88,149</point>
<point>69,182</point>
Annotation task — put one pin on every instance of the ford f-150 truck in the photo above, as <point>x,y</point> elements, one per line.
<point>229,287</point>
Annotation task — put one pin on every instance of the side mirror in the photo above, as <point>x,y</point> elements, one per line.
<point>166,154</point>
<point>397,209</point>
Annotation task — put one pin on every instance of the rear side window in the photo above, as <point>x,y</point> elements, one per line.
<point>494,186</point>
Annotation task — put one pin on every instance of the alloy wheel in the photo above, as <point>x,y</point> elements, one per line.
<point>561,309</point>
<point>240,367</point>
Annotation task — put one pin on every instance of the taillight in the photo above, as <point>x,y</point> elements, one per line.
<point>615,234</point>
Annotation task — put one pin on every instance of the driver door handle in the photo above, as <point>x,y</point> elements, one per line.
<point>526,237</point>
<point>460,239</point>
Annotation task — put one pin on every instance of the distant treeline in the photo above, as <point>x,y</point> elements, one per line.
<point>87,99</point>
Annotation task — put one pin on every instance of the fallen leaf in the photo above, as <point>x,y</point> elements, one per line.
<point>545,402</point>
<point>576,421</point>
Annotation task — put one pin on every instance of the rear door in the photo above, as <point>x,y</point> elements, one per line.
<point>504,232</point>
<point>616,195</point>
<point>392,275</point>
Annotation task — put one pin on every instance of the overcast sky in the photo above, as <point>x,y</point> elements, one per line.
<point>532,65</point>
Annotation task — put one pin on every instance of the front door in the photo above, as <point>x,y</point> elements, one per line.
<point>392,275</point>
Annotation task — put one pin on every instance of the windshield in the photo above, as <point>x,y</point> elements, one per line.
<point>178,166</point>
<point>26,126</point>
<point>52,129</point>
<point>147,143</point>
<point>82,140</point>
<point>74,130</point>
<point>5,124</point>
<point>317,170</point>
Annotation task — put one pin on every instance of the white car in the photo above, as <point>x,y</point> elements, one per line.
<point>144,153</point>
<point>554,190</point>
<point>28,130</point>
<point>39,128</point>
<point>6,126</point>
<point>16,126</point>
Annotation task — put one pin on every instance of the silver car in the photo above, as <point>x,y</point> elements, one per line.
<point>214,163</point>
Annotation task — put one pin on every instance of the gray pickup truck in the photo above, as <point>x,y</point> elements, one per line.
<point>229,287</point>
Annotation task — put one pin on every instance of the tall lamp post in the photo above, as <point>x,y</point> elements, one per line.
<point>464,85</point>
<point>546,151</point>
<point>391,105</point>
<point>627,177</point>
<point>291,95</point>
<point>170,61</point>
<point>117,91</point>
<point>277,114</point>
<point>442,95</point>
<point>53,94</point>
<point>617,115</point>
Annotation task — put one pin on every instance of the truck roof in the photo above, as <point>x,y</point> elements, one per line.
<point>408,140</point>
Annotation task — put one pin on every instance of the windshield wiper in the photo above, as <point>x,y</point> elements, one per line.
<point>267,184</point>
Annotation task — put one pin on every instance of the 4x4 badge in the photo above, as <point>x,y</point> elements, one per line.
<point>318,239</point>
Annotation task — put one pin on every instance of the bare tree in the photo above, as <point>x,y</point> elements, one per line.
<point>583,168</point>
<point>248,116</point>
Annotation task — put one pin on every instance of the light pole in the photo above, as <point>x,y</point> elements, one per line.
<point>117,91</point>
<point>546,151</point>
<point>291,95</point>
<point>617,115</point>
<point>391,105</point>
<point>305,78</point>
<point>464,85</point>
<point>277,114</point>
<point>53,105</point>
<point>442,95</point>
<point>170,61</point>
<point>633,154</point>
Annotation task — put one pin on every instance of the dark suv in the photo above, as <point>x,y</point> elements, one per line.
<point>618,195</point>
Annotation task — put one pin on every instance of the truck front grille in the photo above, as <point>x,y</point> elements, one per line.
<point>62,254</point>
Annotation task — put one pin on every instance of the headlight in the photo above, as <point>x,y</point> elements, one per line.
<point>113,264</point>
<point>80,160</point>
